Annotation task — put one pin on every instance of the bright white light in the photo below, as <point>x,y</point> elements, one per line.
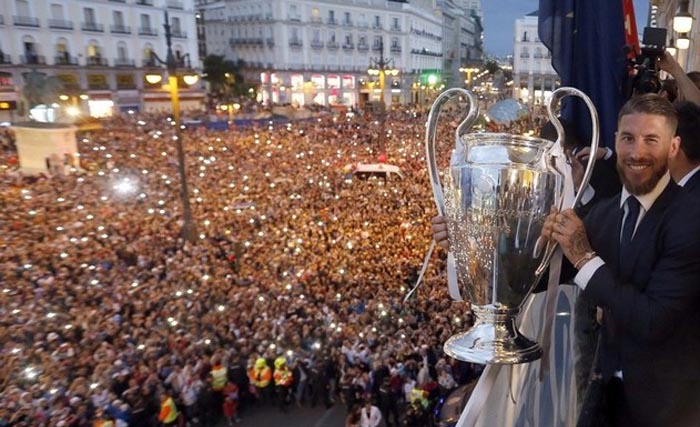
<point>125,186</point>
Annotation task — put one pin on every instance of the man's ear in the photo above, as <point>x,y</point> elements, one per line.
<point>675,146</point>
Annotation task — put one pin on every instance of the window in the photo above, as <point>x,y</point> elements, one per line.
<point>22,8</point>
<point>331,16</point>
<point>317,36</point>
<point>524,36</point>
<point>332,36</point>
<point>122,52</point>
<point>57,11</point>
<point>118,18</point>
<point>89,14</point>
<point>348,39</point>
<point>395,23</point>
<point>377,21</point>
<point>145,21</point>
<point>175,23</point>
<point>347,18</point>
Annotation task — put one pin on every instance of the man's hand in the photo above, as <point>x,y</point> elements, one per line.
<point>567,229</point>
<point>439,227</point>
<point>582,154</point>
<point>669,64</point>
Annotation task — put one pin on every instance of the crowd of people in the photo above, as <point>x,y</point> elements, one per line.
<point>108,317</point>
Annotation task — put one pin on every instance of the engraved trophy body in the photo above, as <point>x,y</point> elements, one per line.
<point>495,197</point>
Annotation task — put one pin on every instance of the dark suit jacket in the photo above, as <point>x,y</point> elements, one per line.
<point>651,303</point>
<point>693,184</point>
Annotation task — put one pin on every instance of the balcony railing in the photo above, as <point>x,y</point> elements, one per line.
<point>270,42</point>
<point>123,62</point>
<point>332,45</point>
<point>95,61</point>
<point>65,59</point>
<point>179,34</point>
<point>5,58</point>
<point>348,46</point>
<point>316,44</point>
<point>175,4</point>
<point>377,47</point>
<point>316,20</point>
<point>396,28</point>
<point>362,46</point>
<point>93,26</point>
<point>98,86</point>
<point>149,62</point>
<point>377,25</point>
<point>25,21</point>
<point>332,21</point>
<point>347,23</point>
<point>296,43</point>
<point>396,48</point>
<point>148,31</point>
<point>145,2</point>
<point>120,29</point>
<point>34,59</point>
<point>60,24</point>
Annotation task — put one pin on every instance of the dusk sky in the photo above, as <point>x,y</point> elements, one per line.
<point>500,16</point>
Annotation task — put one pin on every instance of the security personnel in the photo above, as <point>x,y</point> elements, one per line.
<point>168,411</point>
<point>283,381</point>
<point>260,376</point>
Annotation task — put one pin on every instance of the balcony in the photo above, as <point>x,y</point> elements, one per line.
<point>33,59</point>
<point>377,47</point>
<point>332,21</point>
<point>295,43</point>
<point>396,49</point>
<point>175,4</point>
<point>316,44</point>
<point>25,21</point>
<point>348,46</point>
<point>149,62</point>
<point>5,58</point>
<point>93,26</point>
<point>179,34</point>
<point>396,28</point>
<point>148,31</point>
<point>347,23</point>
<point>524,55</point>
<point>332,45</point>
<point>144,2</point>
<point>96,61</point>
<point>270,42</point>
<point>124,62</point>
<point>363,46</point>
<point>60,24</point>
<point>316,20</point>
<point>120,29</point>
<point>118,1</point>
<point>377,26</point>
<point>65,59</point>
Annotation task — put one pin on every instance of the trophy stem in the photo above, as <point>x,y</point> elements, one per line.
<point>494,339</point>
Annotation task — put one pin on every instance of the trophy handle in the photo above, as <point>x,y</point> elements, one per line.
<point>431,136</point>
<point>558,149</point>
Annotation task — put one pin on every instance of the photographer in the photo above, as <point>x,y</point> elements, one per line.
<point>687,89</point>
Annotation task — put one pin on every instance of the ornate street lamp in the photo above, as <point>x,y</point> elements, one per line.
<point>380,67</point>
<point>189,229</point>
<point>683,21</point>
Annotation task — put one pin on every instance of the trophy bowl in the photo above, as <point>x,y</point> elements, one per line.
<point>495,198</point>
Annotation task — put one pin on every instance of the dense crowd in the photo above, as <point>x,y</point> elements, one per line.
<point>105,312</point>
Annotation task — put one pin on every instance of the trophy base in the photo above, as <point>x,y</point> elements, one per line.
<point>493,339</point>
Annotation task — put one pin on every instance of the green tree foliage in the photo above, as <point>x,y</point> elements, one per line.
<point>225,78</point>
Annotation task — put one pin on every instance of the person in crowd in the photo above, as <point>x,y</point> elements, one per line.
<point>169,414</point>
<point>688,85</point>
<point>231,403</point>
<point>645,281</point>
<point>370,416</point>
<point>284,379</point>
<point>686,163</point>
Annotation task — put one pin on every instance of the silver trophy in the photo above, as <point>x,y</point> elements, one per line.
<point>496,195</point>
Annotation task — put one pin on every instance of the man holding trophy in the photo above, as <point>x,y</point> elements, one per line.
<point>637,256</point>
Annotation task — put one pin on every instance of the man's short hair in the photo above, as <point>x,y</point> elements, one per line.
<point>653,104</point>
<point>689,129</point>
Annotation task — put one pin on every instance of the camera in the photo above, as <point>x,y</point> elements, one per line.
<point>647,78</point>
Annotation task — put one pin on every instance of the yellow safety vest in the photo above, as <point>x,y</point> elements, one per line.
<point>172,414</point>
<point>219,378</point>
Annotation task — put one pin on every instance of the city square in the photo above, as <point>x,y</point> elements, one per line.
<point>218,212</point>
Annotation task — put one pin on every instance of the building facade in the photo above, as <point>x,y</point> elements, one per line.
<point>462,40</point>
<point>304,52</point>
<point>534,78</point>
<point>97,50</point>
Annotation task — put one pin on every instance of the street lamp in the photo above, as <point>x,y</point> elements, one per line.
<point>380,67</point>
<point>468,71</point>
<point>189,229</point>
<point>683,21</point>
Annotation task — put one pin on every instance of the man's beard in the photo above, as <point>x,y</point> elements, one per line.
<point>657,172</point>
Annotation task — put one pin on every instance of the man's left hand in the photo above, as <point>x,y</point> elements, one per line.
<point>567,229</point>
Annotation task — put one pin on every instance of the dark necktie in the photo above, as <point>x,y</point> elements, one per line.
<point>628,226</point>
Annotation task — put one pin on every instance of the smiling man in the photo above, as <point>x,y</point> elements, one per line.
<point>637,256</point>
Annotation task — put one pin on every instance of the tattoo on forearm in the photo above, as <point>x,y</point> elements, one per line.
<point>579,243</point>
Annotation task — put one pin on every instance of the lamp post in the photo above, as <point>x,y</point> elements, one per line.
<point>380,67</point>
<point>189,228</point>
<point>468,71</point>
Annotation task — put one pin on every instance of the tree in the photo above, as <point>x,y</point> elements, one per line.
<point>492,66</point>
<point>40,89</point>
<point>224,77</point>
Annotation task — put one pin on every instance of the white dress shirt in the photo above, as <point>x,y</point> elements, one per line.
<point>687,176</point>
<point>372,419</point>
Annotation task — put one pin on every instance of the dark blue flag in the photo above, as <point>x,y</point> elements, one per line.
<point>587,42</point>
